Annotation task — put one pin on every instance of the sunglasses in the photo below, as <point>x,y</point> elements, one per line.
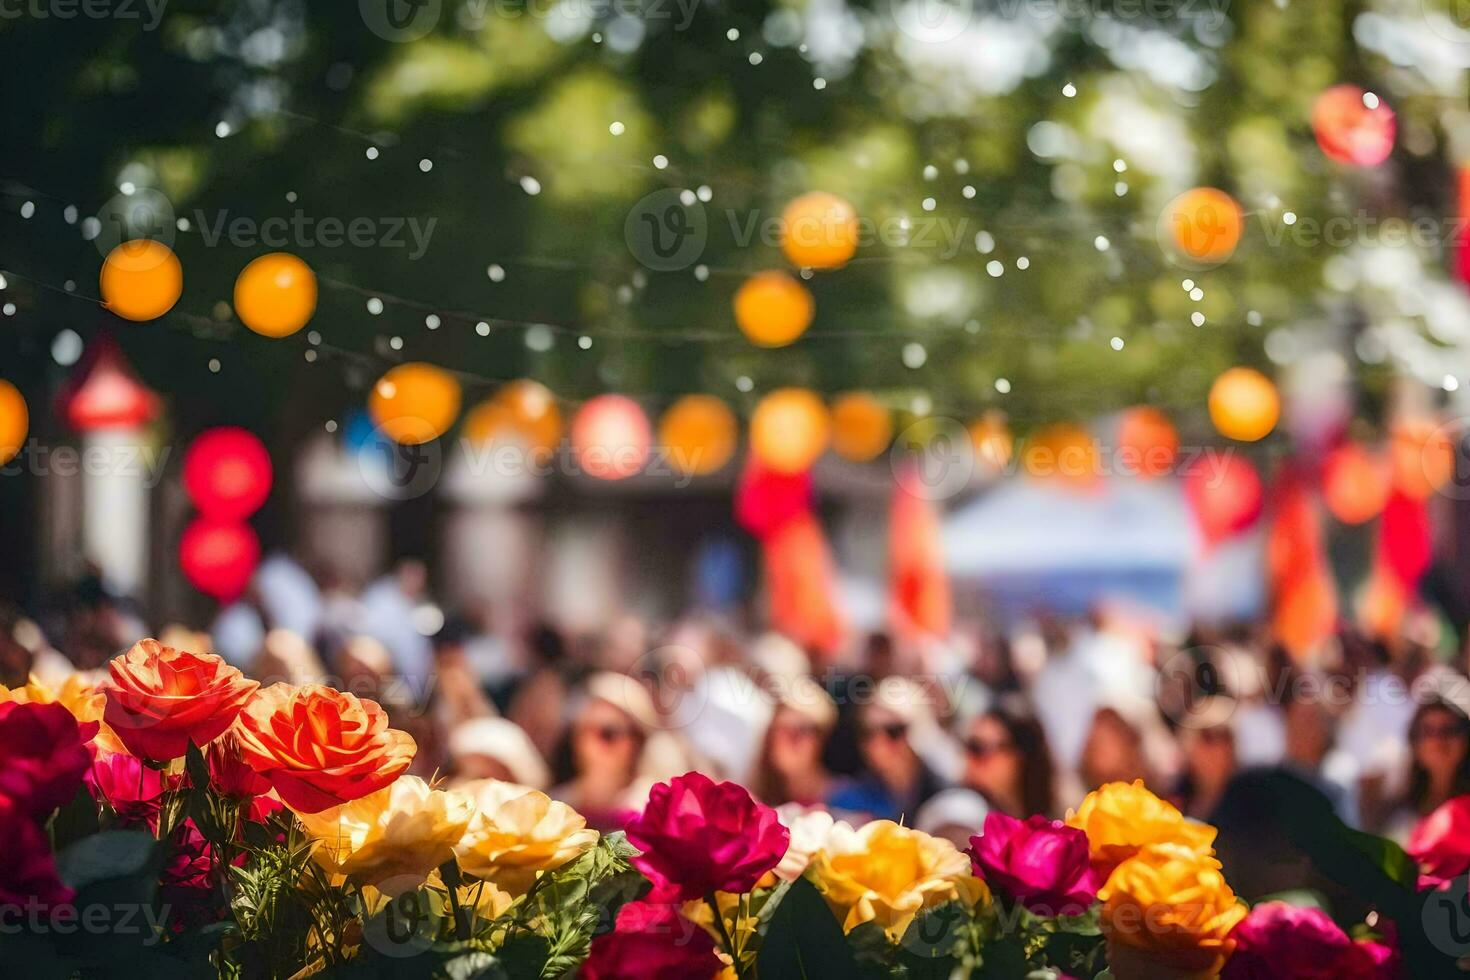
<point>893,732</point>
<point>796,732</point>
<point>609,734</point>
<point>979,748</point>
<point>1446,731</point>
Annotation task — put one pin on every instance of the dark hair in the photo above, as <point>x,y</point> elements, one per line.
<point>1038,773</point>
<point>1418,791</point>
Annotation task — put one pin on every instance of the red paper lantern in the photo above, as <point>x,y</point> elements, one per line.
<point>218,557</point>
<point>227,473</point>
<point>765,500</point>
<point>1353,126</point>
<point>611,435</point>
<point>1226,499</point>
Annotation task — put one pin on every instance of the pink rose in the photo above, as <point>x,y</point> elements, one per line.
<point>699,836</point>
<point>652,942</point>
<point>1441,843</point>
<point>1282,942</point>
<point>44,756</point>
<point>28,876</point>
<point>132,789</point>
<point>1041,863</point>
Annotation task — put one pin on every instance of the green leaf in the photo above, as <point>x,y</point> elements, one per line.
<point>1386,855</point>
<point>804,941</point>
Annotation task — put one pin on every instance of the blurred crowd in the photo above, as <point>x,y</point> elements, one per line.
<point>936,733</point>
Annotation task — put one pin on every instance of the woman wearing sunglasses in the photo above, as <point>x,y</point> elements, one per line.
<point>790,767</point>
<point>1008,761</point>
<point>894,781</point>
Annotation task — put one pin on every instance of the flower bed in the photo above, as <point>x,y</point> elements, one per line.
<point>181,821</point>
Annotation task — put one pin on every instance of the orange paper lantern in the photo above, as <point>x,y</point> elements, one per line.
<point>275,295</point>
<point>1147,442</point>
<point>1244,404</point>
<point>525,410</point>
<point>1062,450</point>
<point>15,421</point>
<point>772,309</point>
<point>699,434</point>
<point>1203,225</point>
<point>610,435</point>
<point>789,430</point>
<point>861,427</point>
<point>1353,127</point>
<point>819,231</point>
<point>1422,457</point>
<point>141,280</point>
<point>1355,484</point>
<point>414,403</point>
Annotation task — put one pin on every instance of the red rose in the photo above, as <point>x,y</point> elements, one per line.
<point>1282,942</point>
<point>229,773</point>
<point>160,699</point>
<point>1441,843</point>
<point>698,837</point>
<point>652,942</point>
<point>28,874</point>
<point>44,757</point>
<point>1041,863</point>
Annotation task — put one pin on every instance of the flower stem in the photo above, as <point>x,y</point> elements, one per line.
<point>725,936</point>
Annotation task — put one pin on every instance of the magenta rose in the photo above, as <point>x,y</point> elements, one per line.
<point>652,942</point>
<point>1440,843</point>
<point>132,789</point>
<point>1041,863</point>
<point>28,876</point>
<point>698,836</point>
<point>44,756</point>
<point>1282,942</point>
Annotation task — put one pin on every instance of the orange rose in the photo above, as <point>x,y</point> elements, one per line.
<point>319,747</point>
<point>1121,818</point>
<point>160,699</point>
<point>1168,913</point>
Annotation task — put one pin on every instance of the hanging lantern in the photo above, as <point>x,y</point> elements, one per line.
<point>819,231</point>
<point>414,403</point>
<point>611,436</point>
<point>861,427</point>
<point>141,280</point>
<point>772,309</point>
<point>523,410</point>
<point>227,473</point>
<point>1353,126</point>
<point>275,295</point>
<point>218,557</point>
<point>765,500</point>
<point>1421,456</point>
<point>1225,500</point>
<point>15,421</point>
<point>1355,484</point>
<point>1244,404</point>
<point>1147,442</point>
<point>789,430</point>
<point>990,439</point>
<point>1202,225</point>
<point>699,434</point>
<point>1062,451</point>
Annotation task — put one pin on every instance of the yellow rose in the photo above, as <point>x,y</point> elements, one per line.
<point>517,832</point>
<point>1121,818</point>
<point>392,839</point>
<point>887,873</point>
<point>1168,912</point>
<point>77,695</point>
